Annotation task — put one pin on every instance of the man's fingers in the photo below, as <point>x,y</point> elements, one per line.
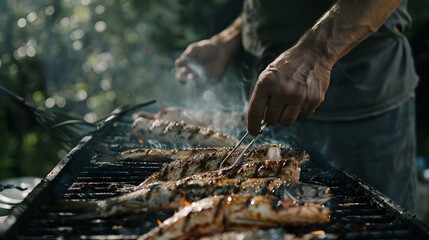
<point>274,109</point>
<point>181,74</point>
<point>289,115</point>
<point>185,74</point>
<point>256,111</point>
<point>183,60</point>
<point>179,61</point>
<point>305,113</point>
<point>191,52</point>
<point>310,107</point>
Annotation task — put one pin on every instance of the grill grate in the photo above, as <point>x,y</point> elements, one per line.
<point>358,212</point>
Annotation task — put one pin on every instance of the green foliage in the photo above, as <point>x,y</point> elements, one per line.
<point>87,57</point>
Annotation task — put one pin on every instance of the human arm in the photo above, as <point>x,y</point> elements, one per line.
<point>295,83</point>
<point>213,55</point>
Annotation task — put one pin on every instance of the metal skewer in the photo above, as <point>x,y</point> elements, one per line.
<point>233,150</point>
<point>240,157</point>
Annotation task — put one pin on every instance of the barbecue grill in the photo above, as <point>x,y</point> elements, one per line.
<point>358,211</point>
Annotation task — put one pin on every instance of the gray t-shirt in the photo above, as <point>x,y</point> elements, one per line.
<point>376,76</point>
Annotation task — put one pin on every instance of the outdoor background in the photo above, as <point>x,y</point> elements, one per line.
<point>84,58</point>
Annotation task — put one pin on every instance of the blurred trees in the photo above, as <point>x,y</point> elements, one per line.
<point>87,57</point>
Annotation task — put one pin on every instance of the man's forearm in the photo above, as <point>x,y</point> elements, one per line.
<point>230,38</point>
<point>345,25</point>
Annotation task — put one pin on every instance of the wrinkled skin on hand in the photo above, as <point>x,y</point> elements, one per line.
<point>290,88</point>
<point>210,57</point>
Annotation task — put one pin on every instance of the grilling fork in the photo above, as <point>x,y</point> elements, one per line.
<point>241,156</point>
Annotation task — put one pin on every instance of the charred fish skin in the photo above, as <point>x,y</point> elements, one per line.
<point>180,132</point>
<point>152,154</point>
<point>279,168</point>
<point>287,168</point>
<point>251,234</point>
<point>164,196</point>
<point>176,195</point>
<point>271,151</point>
<point>222,120</point>
<point>256,178</point>
<point>224,212</point>
<point>199,163</point>
<point>266,234</point>
<point>282,168</point>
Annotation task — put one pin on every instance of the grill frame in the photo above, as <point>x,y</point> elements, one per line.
<point>381,221</point>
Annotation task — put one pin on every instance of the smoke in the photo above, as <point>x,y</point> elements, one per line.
<point>198,100</point>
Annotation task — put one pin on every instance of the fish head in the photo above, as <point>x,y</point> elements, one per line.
<point>305,193</point>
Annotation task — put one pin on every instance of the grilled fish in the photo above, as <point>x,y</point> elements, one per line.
<point>220,120</point>
<point>234,212</point>
<point>190,161</point>
<point>270,177</point>
<point>155,154</point>
<point>180,133</point>
<point>190,165</point>
<point>268,234</point>
<point>173,196</point>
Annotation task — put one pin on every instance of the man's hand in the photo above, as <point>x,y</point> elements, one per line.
<point>203,62</point>
<point>206,61</point>
<point>290,88</point>
<point>294,84</point>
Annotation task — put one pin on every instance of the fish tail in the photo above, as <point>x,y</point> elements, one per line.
<point>106,155</point>
<point>81,209</point>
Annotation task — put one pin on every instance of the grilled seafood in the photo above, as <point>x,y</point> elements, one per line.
<point>271,234</point>
<point>272,177</point>
<point>153,154</point>
<point>181,133</point>
<point>234,212</point>
<point>189,161</point>
<point>213,119</point>
<point>172,195</point>
<point>194,164</point>
<point>279,168</point>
